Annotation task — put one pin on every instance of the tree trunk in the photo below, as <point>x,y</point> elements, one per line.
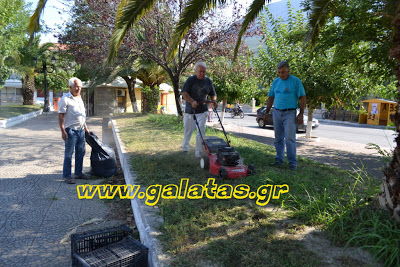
<point>28,89</point>
<point>223,110</point>
<point>178,102</point>
<point>156,97</point>
<point>390,196</point>
<point>130,81</point>
<point>334,113</point>
<point>145,102</point>
<point>150,98</point>
<point>309,122</point>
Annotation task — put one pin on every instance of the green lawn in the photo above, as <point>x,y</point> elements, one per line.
<point>16,110</point>
<point>235,232</point>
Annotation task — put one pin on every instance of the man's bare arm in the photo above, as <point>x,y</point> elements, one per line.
<point>303,101</point>
<point>214,98</point>
<point>64,135</point>
<point>270,102</point>
<point>187,97</point>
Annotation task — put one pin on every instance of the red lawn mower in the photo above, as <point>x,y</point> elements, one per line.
<point>219,158</point>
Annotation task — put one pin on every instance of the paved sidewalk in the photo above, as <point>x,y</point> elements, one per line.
<point>38,210</point>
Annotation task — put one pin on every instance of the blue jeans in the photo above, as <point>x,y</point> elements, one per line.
<point>285,133</point>
<point>76,140</point>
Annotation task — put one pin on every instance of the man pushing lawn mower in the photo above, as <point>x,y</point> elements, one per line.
<point>195,90</point>
<point>218,157</point>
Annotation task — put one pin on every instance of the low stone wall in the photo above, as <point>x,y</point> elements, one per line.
<point>147,219</point>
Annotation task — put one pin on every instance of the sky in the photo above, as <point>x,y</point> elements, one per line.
<point>56,13</point>
<point>51,17</point>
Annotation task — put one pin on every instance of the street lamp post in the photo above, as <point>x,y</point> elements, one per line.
<point>45,70</point>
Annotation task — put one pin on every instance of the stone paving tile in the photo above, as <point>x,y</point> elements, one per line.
<point>3,231</point>
<point>38,209</point>
<point>47,252</point>
<point>9,197</point>
<point>20,228</point>
<point>14,250</point>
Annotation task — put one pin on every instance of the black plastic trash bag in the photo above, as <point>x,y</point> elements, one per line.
<point>102,158</point>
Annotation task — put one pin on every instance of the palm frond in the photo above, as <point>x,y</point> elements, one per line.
<point>192,12</point>
<point>320,12</point>
<point>255,8</point>
<point>129,12</point>
<point>120,9</point>
<point>34,22</point>
<point>44,47</point>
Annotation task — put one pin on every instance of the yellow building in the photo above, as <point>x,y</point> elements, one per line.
<point>379,111</point>
<point>114,98</point>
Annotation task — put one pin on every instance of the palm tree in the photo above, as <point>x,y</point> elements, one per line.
<point>151,75</point>
<point>147,71</point>
<point>131,11</point>
<point>24,64</point>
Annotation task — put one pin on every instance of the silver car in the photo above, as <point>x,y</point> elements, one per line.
<point>261,123</point>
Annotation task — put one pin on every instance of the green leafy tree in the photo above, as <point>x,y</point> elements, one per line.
<point>388,17</point>
<point>14,18</point>
<point>324,80</point>
<point>131,11</point>
<point>23,63</point>
<point>86,39</point>
<point>158,30</point>
<point>234,80</point>
<point>153,32</point>
<point>56,83</point>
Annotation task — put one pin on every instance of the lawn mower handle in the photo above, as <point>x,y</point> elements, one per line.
<point>219,119</point>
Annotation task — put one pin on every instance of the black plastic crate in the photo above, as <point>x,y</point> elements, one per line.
<point>108,247</point>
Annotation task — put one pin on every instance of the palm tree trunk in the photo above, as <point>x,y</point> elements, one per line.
<point>28,89</point>
<point>145,102</point>
<point>150,96</point>
<point>389,198</point>
<point>156,97</point>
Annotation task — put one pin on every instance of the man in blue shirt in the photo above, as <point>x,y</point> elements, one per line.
<point>284,94</point>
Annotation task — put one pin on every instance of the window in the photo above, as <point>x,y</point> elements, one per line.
<point>11,94</point>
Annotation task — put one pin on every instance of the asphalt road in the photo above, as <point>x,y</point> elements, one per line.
<point>359,134</point>
<point>341,146</point>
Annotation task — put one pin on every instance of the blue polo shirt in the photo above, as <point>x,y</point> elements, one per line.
<point>286,92</point>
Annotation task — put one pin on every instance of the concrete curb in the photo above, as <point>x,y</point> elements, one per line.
<point>332,122</point>
<point>312,139</point>
<point>18,119</point>
<point>355,124</point>
<point>147,218</point>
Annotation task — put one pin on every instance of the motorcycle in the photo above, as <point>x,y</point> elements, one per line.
<point>237,111</point>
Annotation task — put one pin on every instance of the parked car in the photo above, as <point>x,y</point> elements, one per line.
<point>262,124</point>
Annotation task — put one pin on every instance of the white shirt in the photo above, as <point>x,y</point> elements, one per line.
<point>74,109</point>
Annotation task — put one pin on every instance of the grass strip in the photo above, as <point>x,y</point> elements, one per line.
<point>7,112</point>
<point>239,232</point>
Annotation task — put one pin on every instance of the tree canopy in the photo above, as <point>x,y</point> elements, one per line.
<point>14,18</point>
<point>327,74</point>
